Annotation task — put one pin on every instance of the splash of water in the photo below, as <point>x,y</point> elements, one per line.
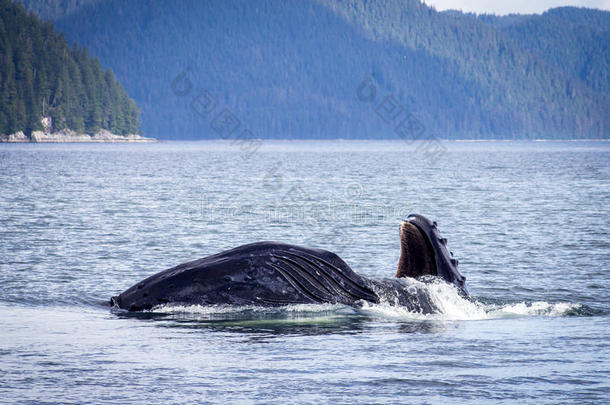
<point>449,303</point>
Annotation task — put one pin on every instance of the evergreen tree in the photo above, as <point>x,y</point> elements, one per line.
<point>41,76</point>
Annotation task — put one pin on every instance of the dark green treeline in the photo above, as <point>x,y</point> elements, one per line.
<point>40,75</point>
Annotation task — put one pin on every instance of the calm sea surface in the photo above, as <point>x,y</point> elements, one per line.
<point>529,221</point>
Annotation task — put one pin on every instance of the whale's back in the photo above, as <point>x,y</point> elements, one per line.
<point>262,273</point>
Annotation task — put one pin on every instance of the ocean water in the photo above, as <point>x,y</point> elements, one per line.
<point>529,221</point>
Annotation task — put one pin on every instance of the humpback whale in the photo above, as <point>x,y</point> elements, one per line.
<point>273,274</point>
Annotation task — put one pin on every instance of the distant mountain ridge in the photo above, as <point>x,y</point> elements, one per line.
<point>291,69</point>
<point>54,9</point>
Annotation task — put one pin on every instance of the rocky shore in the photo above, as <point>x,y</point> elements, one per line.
<point>67,135</point>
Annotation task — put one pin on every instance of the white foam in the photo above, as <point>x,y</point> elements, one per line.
<point>537,308</point>
<point>230,309</point>
<point>449,303</point>
<point>452,306</point>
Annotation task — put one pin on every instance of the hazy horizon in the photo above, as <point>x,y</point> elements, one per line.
<point>513,7</point>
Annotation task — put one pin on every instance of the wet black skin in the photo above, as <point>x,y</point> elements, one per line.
<point>272,274</point>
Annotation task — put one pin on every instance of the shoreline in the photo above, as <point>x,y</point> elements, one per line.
<point>68,136</point>
<point>107,137</point>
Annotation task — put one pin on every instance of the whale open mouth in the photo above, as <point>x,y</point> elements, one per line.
<point>416,255</point>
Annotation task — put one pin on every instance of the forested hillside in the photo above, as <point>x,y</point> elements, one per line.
<point>572,40</point>
<point>41,75</point>
<point>292,69</point>
<point>511,88</point>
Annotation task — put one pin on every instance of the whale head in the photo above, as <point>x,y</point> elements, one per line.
<point>423,251</point>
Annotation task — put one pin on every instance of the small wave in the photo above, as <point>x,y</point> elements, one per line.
<point>231,309</point>
<point>536,308</point>
<point>255,315</point>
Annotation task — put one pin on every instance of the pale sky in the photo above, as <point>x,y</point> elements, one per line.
<point>513,6</point>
